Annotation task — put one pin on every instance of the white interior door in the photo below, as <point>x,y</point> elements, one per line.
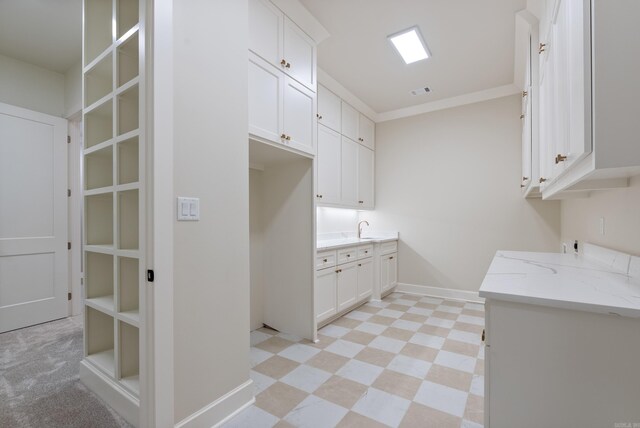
<point>33,218</point>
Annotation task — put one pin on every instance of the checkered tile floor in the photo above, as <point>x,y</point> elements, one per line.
<point>408,361</point>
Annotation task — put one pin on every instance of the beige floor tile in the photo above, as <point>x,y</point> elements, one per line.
<point>445,315</point>
<point>475,409</point>
<point>420,352</point>
<point>424,305</point>
<point>359,337</point>
<point>398,333</point>
<point>279,399</point>
<point>323,341</point>
<point>411,297</point>
<point>396,307</point>
<point>379,319</point>
<point>398,384</point>
<point>471,328</point>
<point>283,424</point>
<point>274,344</point>
<point>414,317</point>
<point>449,377</point>
<point>479,367</point>
<point>356,420</point>
<point>327,361</point>
<point>434,331</point>
<point>376,357</point>
<point>454,303</point>
<point>347,322</point>
<point>473,313</point>
<point>276,366</point>
<point>341,391</point>
<point>369,309</point>
<point>419,416</point>
<point>461,347</point>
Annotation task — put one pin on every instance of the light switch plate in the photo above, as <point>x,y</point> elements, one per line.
<point>188,209</point>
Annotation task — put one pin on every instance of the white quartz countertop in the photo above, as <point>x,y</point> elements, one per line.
<point>335,241</point>
<point>563,281</point>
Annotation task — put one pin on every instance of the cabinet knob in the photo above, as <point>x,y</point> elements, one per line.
<point>524,94</point>
<point>319,116</point>
<point>391,258</point>
<point>525,178</point>
<point>319,196</point>
<point>542,47</point>
<point>522,186</point>
<point>359,264</point>
<point>288,137</point>
<point>366,252</point>
<point>287,66</point>
<point>324,260</point>
<point>339,270</point>
<point>560,158</point>
<point>483,335</point>
<point>283,136</point>
<point>348,255</point>
<point>542,180</point>
<point>283,62</point>
<point>361,202</point>
<point>522,116</point>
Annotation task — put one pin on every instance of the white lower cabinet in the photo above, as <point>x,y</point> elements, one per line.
<point>347,285</point>
<point>325,294</point>
<point>365,278</point>
<point>388,272</point>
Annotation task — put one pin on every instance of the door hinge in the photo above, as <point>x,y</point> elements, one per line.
<point>68,296</point>
<point>68,139</point>
<point>150,275</point>
<point>69,193</point>
<point>68,245</point>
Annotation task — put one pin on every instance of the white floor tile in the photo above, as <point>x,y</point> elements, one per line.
<point>435,342</point>
<point>470,424</point>
<point>260,381</point>
<point>289,337</point>
<point>474,306</point>
<point>443,398</point>
<point>306,378</point>
<point>456,361</point>
<point>431,300</point>
<point>481,353</point>
<point>382,407</point>
<point>449,309</point>
<point>465,336</point>
<point>477,385</point>
<point>361,372</point>
<point>405,302</point>
<point>314,412</point>
<point>406,325</point>
<point>254,417</point>
<point>387,344</point>
<point>358,315</point>
<point>334,331</point>
<point>377,304</point>
<point>258,337</point>
<point>299,352</point>
<point>409,366</point>
<point>390,313</point>
<point>257,355</point>
<point>345,348</point>
<point>420,311</point>
<point>439,322</point>
<point>471,320</point>
<point>372,328</point>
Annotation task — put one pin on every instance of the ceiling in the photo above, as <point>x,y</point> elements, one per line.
<point>471,43</point>
<point>46,33</point>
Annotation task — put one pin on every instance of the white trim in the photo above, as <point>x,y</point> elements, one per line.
<point>75,204</point>
<point>470,98</point>
<point>125,404</point>
<point>303,18</point>
<point>334,86</point>
<point>221,410</point>
<point>444,293</point>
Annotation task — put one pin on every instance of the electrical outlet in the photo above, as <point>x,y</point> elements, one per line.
<point>564,248</point>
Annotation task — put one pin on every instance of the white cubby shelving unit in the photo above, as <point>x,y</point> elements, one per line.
<point>114,203</point>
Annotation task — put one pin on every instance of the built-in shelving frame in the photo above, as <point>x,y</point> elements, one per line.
<point>114,203</point>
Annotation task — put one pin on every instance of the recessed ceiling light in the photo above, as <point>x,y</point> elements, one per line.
<point>410,45</point>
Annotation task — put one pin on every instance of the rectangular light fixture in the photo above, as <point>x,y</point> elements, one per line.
<point>410,45</point>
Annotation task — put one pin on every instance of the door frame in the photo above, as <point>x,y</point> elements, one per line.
<point>75,210</point>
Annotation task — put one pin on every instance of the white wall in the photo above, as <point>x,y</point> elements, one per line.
<point>330,220</point>
<point>31,87</point>
<point>448,181</point>
<point>73,89</point>
<point>620,209</point>
<point>256,236</point>
<point>211,257</point>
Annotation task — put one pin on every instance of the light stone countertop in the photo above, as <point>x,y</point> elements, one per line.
<point>333,241</point>
<point>569,281</point>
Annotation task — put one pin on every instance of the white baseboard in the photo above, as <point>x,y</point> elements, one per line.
<point>221,410</point>
<point>125,404</point>
<point>443,293</point>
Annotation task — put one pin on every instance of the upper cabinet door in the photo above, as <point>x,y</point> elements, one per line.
<point>329,109</point>
<point>299,55</point>
<point>349,172</point>
<point>367,131</point>
<point>265,92</point>
<point>328,166</point>
<point>265,30</point>
<point>350,119</point>
<point>299,116</point>
<point>365,177</point>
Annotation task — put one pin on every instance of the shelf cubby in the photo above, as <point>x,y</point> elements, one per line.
<point>98,167</point>
<point>100,340</point>
<point>99,280</point>
<point>99,219</point>
<point>99,124</point>
<point>98,31</point>
<point>129,356</point>
<point>128,161</point>
<point>127,15</point>
<point>128,280</point>
<point>128,220</point>
<point>98,82</point>
<point>128,115</point>
<point>128,60</point>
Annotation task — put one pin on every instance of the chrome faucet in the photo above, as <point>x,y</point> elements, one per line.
<point>360,227</point>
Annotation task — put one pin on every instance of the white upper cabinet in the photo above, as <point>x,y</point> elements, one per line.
<point>299,128</point>
<point>278,40</point>
<point>265,95</point>
<point>328,166</point>
<point>365,177</point>
<point>349,172</point>
<point>329,109</point>
<point>350,119</point>
<point>366,131</point>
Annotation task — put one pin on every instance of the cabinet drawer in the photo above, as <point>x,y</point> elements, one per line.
<point>389,247</point>
<point>347,255</point>
<point>365,251</point>
<point>325,259</point>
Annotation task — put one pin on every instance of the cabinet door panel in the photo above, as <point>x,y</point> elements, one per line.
<point>349,172</point>
<point>325,294</point>
<point>350,118</point>
<point>329,109</point>
<point>328,165</point>
<point>367,131</point>
<point>299,116</point>
<point>384,273</point>
<point>365,278</point>
<point>365,177</point>
<point>300,54</point>
<point>265,92</point>
<point>265,30</point>
<point>347,285</point>
<point>393,270</point>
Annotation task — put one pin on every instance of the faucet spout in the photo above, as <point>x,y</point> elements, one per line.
<point>360,228</point>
